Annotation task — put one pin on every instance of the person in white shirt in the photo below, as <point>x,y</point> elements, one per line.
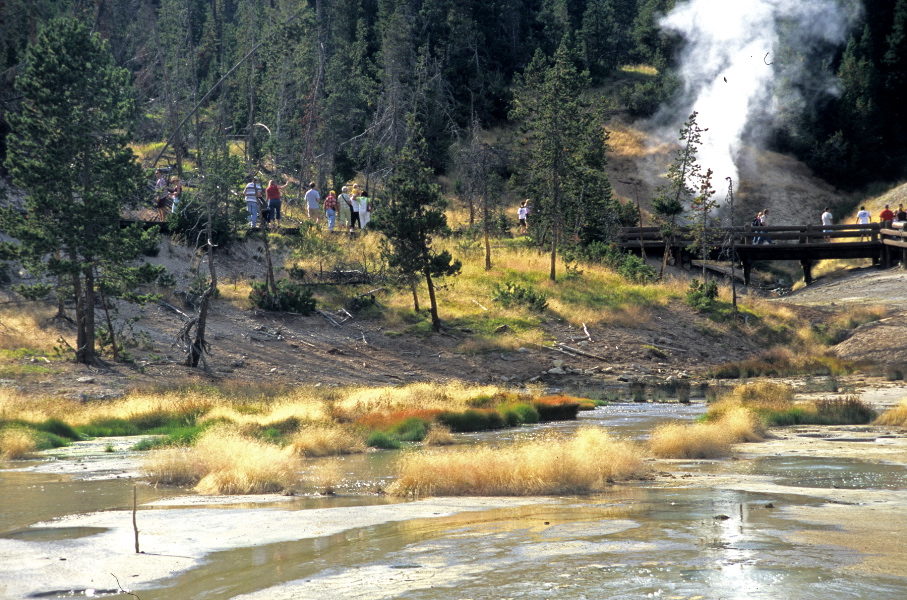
<point>253,193</point>
<point>521,213</point>
<point>864,218</point>
<point>827,220</point>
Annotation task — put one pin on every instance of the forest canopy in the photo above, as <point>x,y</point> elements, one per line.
<point>326,87</point>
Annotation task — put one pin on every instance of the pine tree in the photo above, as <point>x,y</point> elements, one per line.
<point>68,150</point>
<point>564,145</point>
<point>412,214</point>
<point>684,175</point>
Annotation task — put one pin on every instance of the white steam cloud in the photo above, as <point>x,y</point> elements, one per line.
<point>747,62</point>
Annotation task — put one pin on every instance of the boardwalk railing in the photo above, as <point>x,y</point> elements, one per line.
<point>884,243</point>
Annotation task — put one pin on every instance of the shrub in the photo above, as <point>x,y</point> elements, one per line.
<point>894,417</point>
<point>556,408</point>
<point>224,461</point>
<point>383,441</point>
<point>438,435</point>
<point>410,430</point>
<point>843,411</point>
<point>586,462</point>
<point>326,441</point>
<point>291,297</point>
<point>702,295</point>
<point>511,294</point>
<point>59,428</point>
<point>472,420</point>
<point>16,442</point>
<point>519,414</point>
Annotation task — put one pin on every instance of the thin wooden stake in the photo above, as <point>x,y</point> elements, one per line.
<point>135,527</point>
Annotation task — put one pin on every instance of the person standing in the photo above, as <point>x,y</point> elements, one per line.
<point>864,218</point>
<point>365,209</point>
<point>313,209</point>
<point>886,217</point>
<point>175,190</point>
<point>253,193</point>
<point>330,209</point>
<point>162,195</point>
<point>901,214</point>
<point>521,213</point>
<point>354,209</point>
<point>272,192</point>
<point>343,213</point>
<point>827,221</point>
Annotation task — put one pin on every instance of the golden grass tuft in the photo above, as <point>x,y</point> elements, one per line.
<point>326,441</point>
<point>894,417</point>
<point>586,462</point>
<point>224,461</point>
<point>712,439</point>
<point>23,328</point>
<point>16,443</point>
<point>439,435</point>
<point>696,440</point>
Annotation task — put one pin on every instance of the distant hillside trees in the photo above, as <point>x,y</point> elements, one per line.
<point>68,150</point>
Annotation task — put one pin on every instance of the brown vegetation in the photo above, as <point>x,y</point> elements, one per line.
<point>586,462</point>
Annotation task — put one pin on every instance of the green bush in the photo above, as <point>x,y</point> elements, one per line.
<point>410,430</point>
<point>291,297</point>
<point>59,428</point>
<point>384,441</point>
<point>702,295</point>
<point>511,294</point>
<point>472,420</point>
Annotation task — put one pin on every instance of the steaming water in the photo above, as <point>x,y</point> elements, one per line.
<point>644,540</point>
<point>747,63</point>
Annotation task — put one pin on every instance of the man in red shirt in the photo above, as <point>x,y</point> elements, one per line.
<point>886,215</point>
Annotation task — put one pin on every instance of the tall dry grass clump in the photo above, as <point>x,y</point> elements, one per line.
<point>326,441</point>
<point>16,442</point>
<point>894,417</point>
<point>24,328</point>
<point>439,435</point>
<point>710,439</point>
<point>586,462</point>
<point>224,461</point>
<point>420,396</point>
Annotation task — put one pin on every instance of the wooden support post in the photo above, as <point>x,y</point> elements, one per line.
<point>747,268</point>
<point>807,270</point>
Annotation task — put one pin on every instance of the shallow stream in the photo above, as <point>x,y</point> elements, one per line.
<point>654,539</point>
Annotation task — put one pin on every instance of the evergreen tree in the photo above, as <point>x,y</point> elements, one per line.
<point>68,150</point>
<point>564,145</point>
<point>411,215</point>
<point>684,175</point>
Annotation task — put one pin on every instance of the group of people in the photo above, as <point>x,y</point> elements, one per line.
<point>166,196</point>
<point>352,208</point>
<point>892,218</point>
<point>265,201</point>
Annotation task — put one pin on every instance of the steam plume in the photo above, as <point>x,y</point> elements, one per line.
<point>747,62</point>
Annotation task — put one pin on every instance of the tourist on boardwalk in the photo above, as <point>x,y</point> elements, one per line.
<point>827,221</point>
<point>330,209</point>
<point>521,213</point>
<point>253,193</point>
<point>864,218</point>
<point>900,215</point>
<point>886,217</point>
<point>343,213</point>
<point>161,194</point>
<point>274,203</point>
<point>313,209</point>
<point>175,190</point>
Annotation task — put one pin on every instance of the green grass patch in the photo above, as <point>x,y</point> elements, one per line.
<point>472,420</point>
<point>382,441</point>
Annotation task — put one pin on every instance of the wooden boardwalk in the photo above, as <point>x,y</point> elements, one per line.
<point>882,243</point>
